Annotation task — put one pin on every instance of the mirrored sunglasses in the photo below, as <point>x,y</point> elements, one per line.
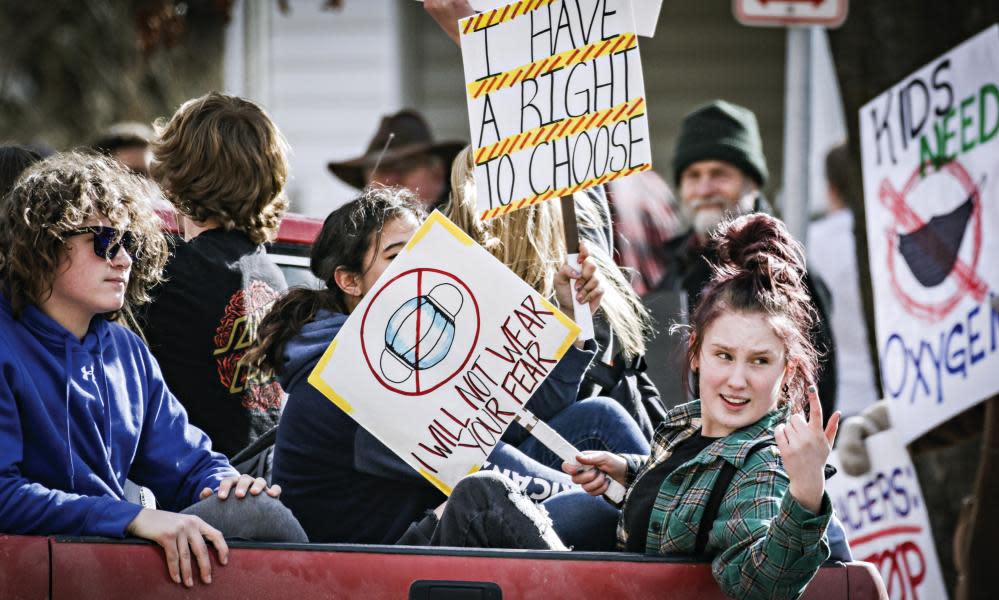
<point>108,240</point>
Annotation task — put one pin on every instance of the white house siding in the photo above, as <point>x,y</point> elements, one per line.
<point>333,74</point>
<point>699,53</point>
<point>330,75</point>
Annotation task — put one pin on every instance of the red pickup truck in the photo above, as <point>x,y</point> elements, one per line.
<point>35,567</point>
<point>62,567</point>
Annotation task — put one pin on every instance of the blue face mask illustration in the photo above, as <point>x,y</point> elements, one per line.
<point>408,350</point>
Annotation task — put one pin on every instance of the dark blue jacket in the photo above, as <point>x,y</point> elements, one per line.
<point>341,483</point>
<point>79,416</point>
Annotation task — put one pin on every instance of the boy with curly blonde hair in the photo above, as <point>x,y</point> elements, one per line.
<point>82,402</point>
<point>221,162</point>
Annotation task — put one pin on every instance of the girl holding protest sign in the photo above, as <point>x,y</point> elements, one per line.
<point>738,473</point>
<point>339,480</point>
<point>530,243</point>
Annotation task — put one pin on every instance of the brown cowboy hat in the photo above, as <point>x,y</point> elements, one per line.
<point>410,135</point>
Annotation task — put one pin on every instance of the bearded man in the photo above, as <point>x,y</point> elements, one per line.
<point>719,170</point>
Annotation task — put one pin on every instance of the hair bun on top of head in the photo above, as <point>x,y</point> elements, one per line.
<point>760,246</point>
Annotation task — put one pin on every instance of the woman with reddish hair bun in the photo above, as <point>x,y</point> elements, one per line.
<point>739,474</point>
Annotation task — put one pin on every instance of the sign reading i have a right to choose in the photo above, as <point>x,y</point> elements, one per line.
<point>930,148</point>
<point>556,101</point>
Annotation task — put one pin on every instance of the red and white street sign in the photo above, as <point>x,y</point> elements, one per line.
<point>780,13</point>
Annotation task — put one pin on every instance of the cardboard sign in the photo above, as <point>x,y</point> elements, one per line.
<point>442,353</point>
<point>646,13</point>
<point>886,521</point>
<point>931,187</point>
<point>556,101</point>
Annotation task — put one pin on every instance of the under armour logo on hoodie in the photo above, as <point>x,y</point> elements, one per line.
<point>88,373</point>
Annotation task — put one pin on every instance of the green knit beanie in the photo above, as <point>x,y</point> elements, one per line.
<point>721,131</point>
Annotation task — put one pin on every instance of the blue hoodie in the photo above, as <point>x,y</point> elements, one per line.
<point>343,484</point>
<point>79,416</point>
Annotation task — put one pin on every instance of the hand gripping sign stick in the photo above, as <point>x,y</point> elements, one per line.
<point>566,451</point>
<point>581,310</point>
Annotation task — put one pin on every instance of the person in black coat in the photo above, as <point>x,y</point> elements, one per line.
<point>719,169</point>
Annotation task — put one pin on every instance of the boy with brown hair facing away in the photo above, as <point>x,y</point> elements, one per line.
<point>83,404</point>
<point>221,162</point>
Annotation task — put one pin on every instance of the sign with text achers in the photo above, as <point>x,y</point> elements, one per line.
<point>781,13</point>
<point>442,353</point>
<point>556,101</point>
<point>886,520</point>
<point>930,156</point>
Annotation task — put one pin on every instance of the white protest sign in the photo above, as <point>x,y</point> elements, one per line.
<point>886,521</point>
<point>931,187</point>
<point>646,13</point>
<point>556,101</point>
<point>442,353</point>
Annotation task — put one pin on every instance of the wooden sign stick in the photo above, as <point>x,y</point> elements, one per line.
<point>563,449</point>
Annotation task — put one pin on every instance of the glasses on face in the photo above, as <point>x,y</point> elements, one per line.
<point>108,240</point>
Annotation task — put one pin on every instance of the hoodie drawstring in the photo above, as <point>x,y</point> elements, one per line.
<point>106,400</point>
<point>69,436</point>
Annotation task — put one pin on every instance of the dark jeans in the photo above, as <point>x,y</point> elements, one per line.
<point>486,510</point>
<point>591,424</point>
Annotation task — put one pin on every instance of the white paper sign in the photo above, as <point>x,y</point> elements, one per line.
<point>931,187</point>
<point>556,101</point>
<point>646,13</point>
<point>442,353</point>
<point>886,521</point>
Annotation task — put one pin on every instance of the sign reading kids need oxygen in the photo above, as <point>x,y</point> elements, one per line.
<point>931,187</point>
<point>442,353</point>
<point>556,101</point>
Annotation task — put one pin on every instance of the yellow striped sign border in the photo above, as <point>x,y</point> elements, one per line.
<point>566,191</point>
<point>560,129</point>
<point>618,43</point>
<point>501,14</point>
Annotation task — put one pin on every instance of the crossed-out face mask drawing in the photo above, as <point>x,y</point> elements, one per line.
<point>420,333</point>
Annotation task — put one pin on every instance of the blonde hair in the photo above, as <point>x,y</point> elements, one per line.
<point>221,157</point>
<point>530,242</point>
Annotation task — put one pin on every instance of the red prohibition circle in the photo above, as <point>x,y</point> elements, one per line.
<point>471,348</point>
<point>894,202</point>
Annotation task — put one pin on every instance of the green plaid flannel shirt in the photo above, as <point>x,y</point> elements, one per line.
<point>765,544</point>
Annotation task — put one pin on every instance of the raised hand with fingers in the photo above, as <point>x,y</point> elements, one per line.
<point>583,280</point>
<point>447,13</point>
<point>804,448</point>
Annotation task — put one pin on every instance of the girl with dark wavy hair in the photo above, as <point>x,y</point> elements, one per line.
<point>737,474</point>
<point>339,480</point>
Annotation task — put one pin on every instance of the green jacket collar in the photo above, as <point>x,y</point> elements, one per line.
<point>734,447</point>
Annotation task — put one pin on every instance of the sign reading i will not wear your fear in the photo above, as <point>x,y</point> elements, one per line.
<point>442,353</point>
<point>930,149</point>
<point>886,520</point>
<point>556,101</point>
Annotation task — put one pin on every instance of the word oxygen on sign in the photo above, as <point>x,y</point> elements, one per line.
<point>496,386</point>
<point>915,370</point>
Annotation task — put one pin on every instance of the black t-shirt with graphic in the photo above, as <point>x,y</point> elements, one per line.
<point>202,321</point>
